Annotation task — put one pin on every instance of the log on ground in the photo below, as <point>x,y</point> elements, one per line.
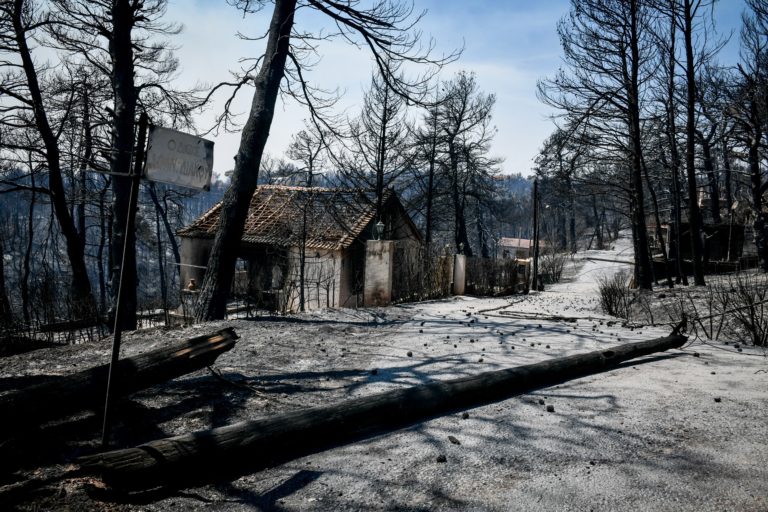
<point>62,396</point>
<point>259,443</point>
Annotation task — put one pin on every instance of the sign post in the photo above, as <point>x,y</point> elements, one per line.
<point>133,199</point>
<point>171,157</point>
<point>179,159</point>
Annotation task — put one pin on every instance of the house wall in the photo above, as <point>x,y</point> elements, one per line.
<point>322,279</point>
<point>266,271</point>
<point>513,253</point>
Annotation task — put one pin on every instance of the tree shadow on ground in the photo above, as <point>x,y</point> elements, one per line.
<point>218,467</point>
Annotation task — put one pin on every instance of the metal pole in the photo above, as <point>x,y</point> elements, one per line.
<point>535,276</point>
<point>133,199</point>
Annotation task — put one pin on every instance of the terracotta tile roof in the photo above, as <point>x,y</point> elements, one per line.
<point>335,217</point>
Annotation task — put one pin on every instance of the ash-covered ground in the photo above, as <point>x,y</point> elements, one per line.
<point>682,430</point>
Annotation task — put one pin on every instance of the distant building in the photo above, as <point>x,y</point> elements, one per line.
<point>515,248</point>
<point>331,225</point>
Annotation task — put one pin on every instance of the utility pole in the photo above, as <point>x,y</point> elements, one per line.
<point>535,273</point>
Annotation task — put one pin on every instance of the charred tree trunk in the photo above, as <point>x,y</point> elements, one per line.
<point>427,262</point>
<point>26,262</point>
<point>643,269</point>
<point>303,247</point>
<point>562,237</point>
<point>263,441</point>
<point>85,389</point>
<point>573,246</point>
<point>162,210</point>
<point>80,284</point>
<point>694,214</point>
<point>212,301</point>
<point>676,225</point>
<point>461,237</point>
<point>481,237</point>
<point>659,233</point>
<point>381,154</point>
<point>84,162</point>
<point>598,224</point>
<point>161,263</point>
<point>430,202</point>
<point>709,169</point>
<point>536,233</point>
<point>674,165</point>
<point>727,175</point>
<point>124,91</point>
<point>105,216</point>
<point>432,157</point>
<point>756,180</point>
<point>6,314</point>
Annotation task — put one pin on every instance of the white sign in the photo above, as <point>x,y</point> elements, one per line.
<point>179,158</point>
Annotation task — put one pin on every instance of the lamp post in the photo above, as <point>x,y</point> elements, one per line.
<point>379,230</point>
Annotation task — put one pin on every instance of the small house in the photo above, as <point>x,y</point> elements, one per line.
<point>305,244</point>
<point>515,248</point>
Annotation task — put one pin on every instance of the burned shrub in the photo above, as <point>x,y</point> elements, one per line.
<point>615,295</point>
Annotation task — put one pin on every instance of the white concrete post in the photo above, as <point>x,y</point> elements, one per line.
<point>459,274</point>
<point>379,259</point>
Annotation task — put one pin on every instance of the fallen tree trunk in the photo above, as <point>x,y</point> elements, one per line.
<point>83,390</point>
<point>258,443</point>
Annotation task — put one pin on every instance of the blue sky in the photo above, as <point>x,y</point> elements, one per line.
<point>509,44</point>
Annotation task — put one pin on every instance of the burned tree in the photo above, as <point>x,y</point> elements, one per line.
<point>688,15</point>
<point>464,117</point>
<point>306,148</point>
<point>669,154</point>
<point>427,142</point>
<point>379,141</point>
<point>119,40</point>
<point>561,159</point>
<point>6,314</point>
<point>26,107</point>
<point>748,111</point>
<point>385,29</point>
<point>607,50</point>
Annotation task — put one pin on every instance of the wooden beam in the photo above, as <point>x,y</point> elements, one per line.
<point>62,396</point>
<point>258,443</point>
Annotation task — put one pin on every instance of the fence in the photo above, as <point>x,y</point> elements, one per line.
<point>420,276</point>
<point>494,277</point>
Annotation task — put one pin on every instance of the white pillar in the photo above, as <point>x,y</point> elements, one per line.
<point>459,274</point>
<point>379,259</point>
